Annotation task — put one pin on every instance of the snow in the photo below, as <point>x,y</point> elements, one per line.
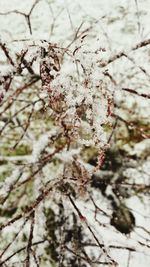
<point>113,26</point>
<point>9,182</point>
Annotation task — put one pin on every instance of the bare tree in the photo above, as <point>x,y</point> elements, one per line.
<point>63,148</point>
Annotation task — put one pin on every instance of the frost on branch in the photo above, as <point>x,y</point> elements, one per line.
<point>69,89</point>
<point>74,158</point>
<point>79,95</point>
